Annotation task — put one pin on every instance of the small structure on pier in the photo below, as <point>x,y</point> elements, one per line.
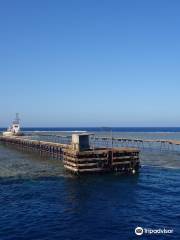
<point>80,142</point>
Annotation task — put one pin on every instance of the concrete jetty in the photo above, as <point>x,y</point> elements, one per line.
<point>79,157</point>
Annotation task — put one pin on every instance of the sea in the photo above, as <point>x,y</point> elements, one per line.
<point>39,200</point>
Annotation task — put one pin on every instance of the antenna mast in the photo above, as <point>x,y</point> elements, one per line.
<point>17,119</point>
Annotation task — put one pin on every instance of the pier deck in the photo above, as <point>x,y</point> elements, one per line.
<point>80,157</point>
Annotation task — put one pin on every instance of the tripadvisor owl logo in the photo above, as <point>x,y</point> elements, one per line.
<point>139,231</point>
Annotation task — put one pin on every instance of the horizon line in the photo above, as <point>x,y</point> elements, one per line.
<point>102,127</point>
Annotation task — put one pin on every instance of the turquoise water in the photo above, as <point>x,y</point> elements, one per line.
<point>40,200</point>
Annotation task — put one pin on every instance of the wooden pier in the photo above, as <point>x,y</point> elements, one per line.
<point>79,157</point>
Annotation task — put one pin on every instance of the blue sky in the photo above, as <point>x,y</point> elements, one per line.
<point>90,63</point>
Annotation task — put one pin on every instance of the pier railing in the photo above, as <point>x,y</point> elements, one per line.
<point>143,144</point>
<point>107,141</point>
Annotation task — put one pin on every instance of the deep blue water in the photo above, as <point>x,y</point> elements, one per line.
<point>40,201</point>
<point>91,207</point>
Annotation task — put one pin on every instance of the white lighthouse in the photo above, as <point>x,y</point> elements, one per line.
<point>14,129</point>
